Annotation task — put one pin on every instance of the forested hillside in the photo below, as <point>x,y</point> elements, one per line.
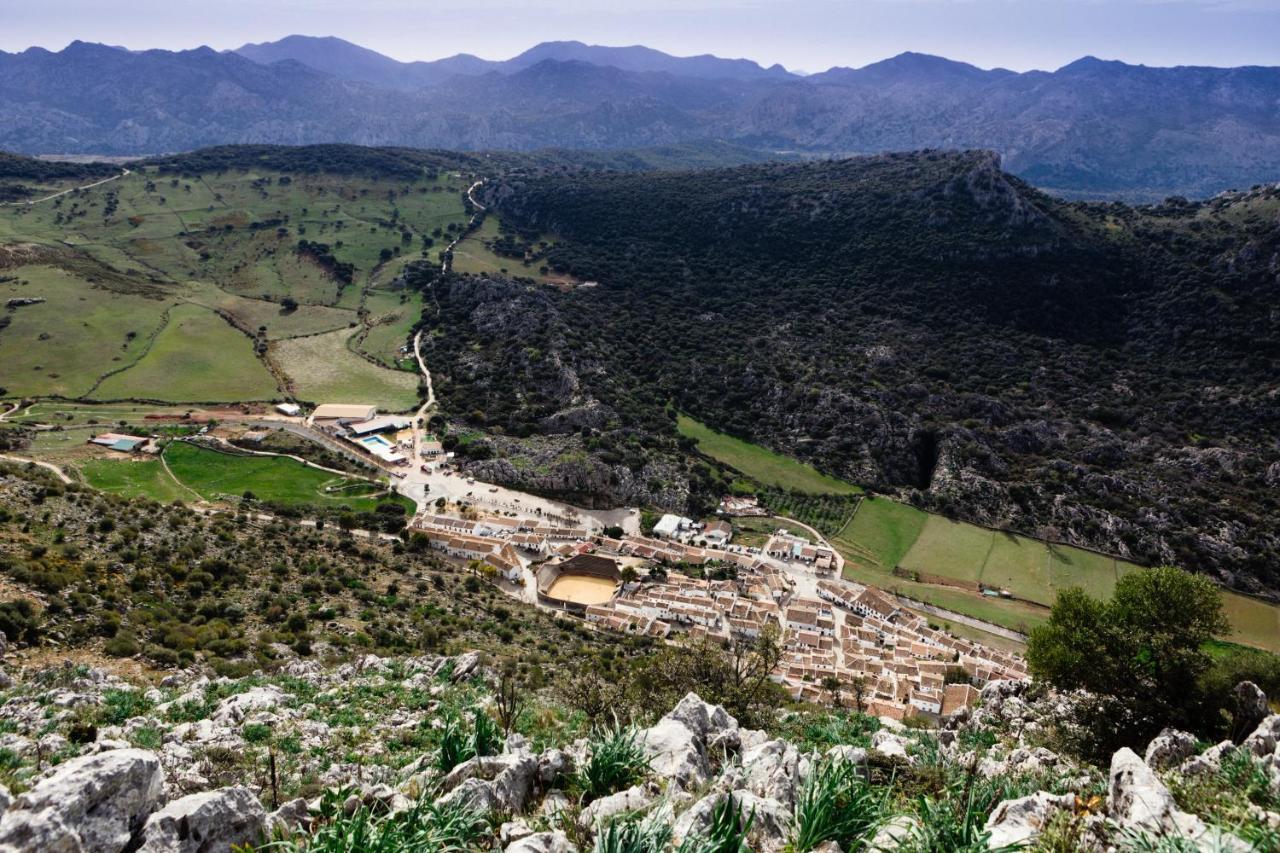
<point>923,324</point>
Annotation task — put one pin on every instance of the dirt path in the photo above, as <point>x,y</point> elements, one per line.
<point>172,476</point>
<point>28,202</point>
<point>48,466</point>
<point>818,537</point>
<point>447,255</point>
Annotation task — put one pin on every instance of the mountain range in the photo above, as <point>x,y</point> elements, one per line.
<point>1093,128</point>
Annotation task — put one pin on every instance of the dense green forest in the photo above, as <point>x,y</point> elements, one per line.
<point>923,324</point>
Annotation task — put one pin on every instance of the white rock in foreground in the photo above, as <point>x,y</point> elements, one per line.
<point>210,820</point>
<point>92,803</point>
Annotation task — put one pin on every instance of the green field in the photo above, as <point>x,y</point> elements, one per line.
<point>761,464</point>
<point>881,533</point>
<point>134,479</point>
<point>324,370</point>
<point>113,262</point>
<point>474,255</point>
<point>62,345</point>
<point>221,476</point>
<point>885,534</point>
<point>197,357</point>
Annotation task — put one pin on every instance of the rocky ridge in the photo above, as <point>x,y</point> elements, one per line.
<point>341,746</point>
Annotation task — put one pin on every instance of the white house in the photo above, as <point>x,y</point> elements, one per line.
<point>290,409</point>
<point>672,526</point>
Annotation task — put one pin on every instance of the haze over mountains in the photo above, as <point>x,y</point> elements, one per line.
<point>1091,128</point>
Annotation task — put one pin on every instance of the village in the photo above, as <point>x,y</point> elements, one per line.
<point>842,642</point>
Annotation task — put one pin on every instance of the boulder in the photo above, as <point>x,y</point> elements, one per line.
<point>475,794</point>
<point>702,718</point>
<point>1250,709</point>
<point>895,833</point>
<point>293,816</point>
<point>204,822</point>
<point>232,710</point>
<point>543,842</point>
<point>770,826</point>
<point>92,803</point>
<point>1018,822</point>
<point>634,799</point>
<point>771,770</point>
<point>675,752</point>
<point>1262,742</point>
<point>1209,761</point>
<point>1169,748</point>
<point>1138,800</point>
<point>890,745</point>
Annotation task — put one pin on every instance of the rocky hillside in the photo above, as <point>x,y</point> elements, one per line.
<point>925,324</point>
<point>430,753</point>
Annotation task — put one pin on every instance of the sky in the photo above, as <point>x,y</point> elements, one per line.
<point>804,35</point>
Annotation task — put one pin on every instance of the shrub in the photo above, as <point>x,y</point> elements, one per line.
<point>727,832</point>
<point>616,762</point>
<point>634,836</point>
<point>837,804</point>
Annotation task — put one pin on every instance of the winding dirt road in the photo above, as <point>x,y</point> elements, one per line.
<point>123,173</point>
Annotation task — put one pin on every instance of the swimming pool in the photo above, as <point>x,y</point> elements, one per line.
<point>375,442</point>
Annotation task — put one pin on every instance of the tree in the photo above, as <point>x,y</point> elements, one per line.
<point>1141,653</point>
<point>831,684</point>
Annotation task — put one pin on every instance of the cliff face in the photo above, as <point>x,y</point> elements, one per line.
<point>411,753</point>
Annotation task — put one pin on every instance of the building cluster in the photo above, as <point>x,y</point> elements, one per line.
<point>380,436</point>
<point>850,643</point>
<point>841,641</point>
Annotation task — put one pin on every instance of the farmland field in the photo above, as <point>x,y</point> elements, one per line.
<point>196,357</point>
<point>885,534</point>
<point>217,476</point>
<point>114,261</point>
<point>61,346</point>
<point>761,464</point>
<point>134,479</point>
<point>324,370</point>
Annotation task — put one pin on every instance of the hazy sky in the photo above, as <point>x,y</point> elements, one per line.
<point>808,35</point>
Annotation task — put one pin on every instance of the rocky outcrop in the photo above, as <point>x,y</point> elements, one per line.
<point>94,803</point>
<point>1019,822</point>
<point>204,822</point>
<point>1169,748</point>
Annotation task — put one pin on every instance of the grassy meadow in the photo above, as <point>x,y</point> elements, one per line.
<point>761,464</point>
<point>199,473</point>
<point>155,286</point>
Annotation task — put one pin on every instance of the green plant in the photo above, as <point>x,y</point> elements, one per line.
<point>424,828</point>
<point>726,833</point>
<point>457,745</point>
<point>634,836</point>
<point>616,762</point>
<point>121,705</point>
<point>836,804</point>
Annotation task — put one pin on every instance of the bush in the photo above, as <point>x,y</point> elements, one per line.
<point>837,804</point>
<point>616,762</point>
<point>20,622</point>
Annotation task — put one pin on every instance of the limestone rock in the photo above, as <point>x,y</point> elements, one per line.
<point>1209,761</point>
<point>634,799</point>
<point>92,803</point>
<point>543,842</point>
<point>1262,742</point>
<point>1020,821</point>
<point>889,744</point>
<point>293,816</point>
<point>1250,709</point>
<point>1168,748</point>
<point>770,825</point>
<point>210,820</point>
<point>771,770</point>
<point>895,833</point>
<point>233,710</point>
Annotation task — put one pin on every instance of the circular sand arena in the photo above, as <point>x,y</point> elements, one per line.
<point>582,589</point>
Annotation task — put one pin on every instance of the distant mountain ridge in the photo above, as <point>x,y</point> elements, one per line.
<point>1092,128</point>
<point>349,61</point>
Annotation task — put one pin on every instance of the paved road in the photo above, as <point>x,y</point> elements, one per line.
<point>123,173</point>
